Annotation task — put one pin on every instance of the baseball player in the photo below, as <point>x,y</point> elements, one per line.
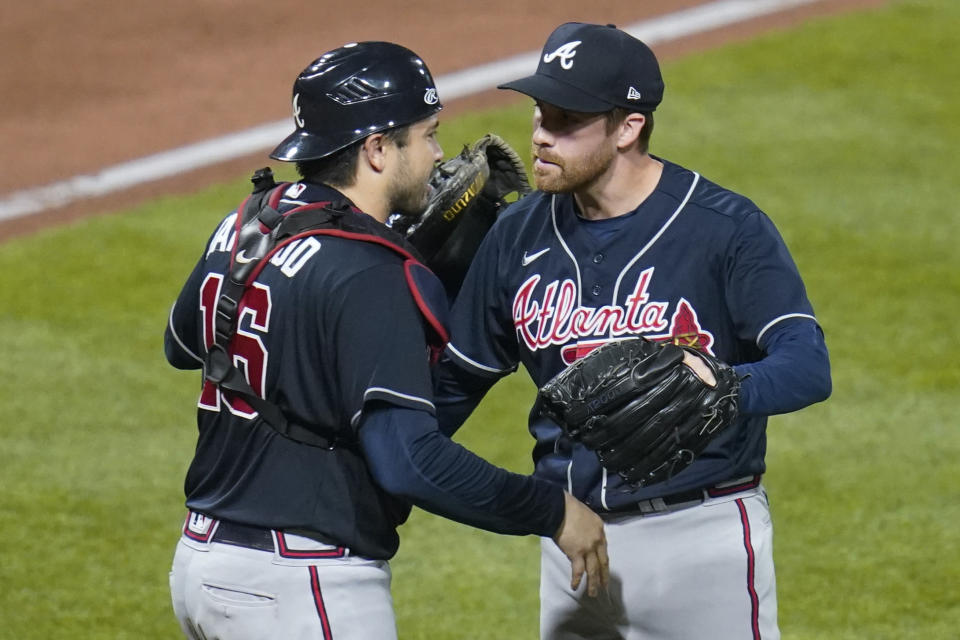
<point>616,242</point>
<point>314,324</point>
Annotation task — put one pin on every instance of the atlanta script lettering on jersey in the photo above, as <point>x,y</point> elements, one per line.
<point>557,319</point>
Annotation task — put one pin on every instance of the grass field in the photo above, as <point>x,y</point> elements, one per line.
<point>844,130</point>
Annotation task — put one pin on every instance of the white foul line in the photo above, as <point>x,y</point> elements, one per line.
<point>451,86</point>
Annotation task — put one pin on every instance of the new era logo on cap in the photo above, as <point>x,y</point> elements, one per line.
<point>594,68</point>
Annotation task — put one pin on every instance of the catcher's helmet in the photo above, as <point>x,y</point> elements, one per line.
<point>352,92</point>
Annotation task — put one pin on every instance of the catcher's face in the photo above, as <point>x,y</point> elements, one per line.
<point>571,150</point>
<point>409,191</point>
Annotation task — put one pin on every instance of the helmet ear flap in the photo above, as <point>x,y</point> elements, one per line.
<point>352,92</point>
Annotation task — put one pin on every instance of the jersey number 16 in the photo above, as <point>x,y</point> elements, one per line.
<point>248,351</point>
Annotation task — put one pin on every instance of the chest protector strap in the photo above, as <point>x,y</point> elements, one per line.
<point>261,231</point>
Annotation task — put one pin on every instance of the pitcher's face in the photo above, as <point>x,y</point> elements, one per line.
<point>571,150</point>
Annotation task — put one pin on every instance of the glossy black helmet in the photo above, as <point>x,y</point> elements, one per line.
<point>352,92</point>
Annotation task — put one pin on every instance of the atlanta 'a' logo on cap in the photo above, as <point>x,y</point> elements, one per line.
<point>565,53</point>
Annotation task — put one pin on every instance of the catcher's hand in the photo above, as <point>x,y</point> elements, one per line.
<point>468,192</point>
<point>645,413</point>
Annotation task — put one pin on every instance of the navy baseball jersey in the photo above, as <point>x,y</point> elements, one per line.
<point>341,323</point>
<point>695,264</point>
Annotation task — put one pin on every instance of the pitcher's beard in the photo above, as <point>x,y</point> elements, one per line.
<point>566,176</point>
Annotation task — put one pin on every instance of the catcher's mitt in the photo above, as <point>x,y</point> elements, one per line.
<point>468,192</point>
<point>645,413</point>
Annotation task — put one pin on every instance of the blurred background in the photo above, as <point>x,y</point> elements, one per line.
<point>838,117</point>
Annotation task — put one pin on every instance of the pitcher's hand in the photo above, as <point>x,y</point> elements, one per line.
<point>700,368</point>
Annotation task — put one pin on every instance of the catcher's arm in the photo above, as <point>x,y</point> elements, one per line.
<point>468,193</point>
<point>585,545</point>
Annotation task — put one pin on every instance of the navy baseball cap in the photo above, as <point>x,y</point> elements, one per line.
<point>594,68</point>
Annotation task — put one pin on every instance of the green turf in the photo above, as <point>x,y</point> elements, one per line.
<point>844,130</point>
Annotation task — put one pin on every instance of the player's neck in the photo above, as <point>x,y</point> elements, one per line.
<point>620,190</point>
<point>369,200</point>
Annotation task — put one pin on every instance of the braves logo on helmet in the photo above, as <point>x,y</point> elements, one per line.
<point>296,111</point>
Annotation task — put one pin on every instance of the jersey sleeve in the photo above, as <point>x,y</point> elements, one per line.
<point>456,393</point>
<point>410,458</point>
<point>763,284</point>
<point>794,372</point>
<point>482,340</point>
<point>381,346</point>
<point>181,340</point>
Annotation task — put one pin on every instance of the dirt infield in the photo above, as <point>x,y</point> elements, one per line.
<point>87,86</point>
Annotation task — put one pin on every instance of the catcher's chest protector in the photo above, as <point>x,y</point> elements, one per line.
<point>262,231</point>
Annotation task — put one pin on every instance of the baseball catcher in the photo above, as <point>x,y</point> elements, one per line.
<point>468,192</point>
<point>645,413</point>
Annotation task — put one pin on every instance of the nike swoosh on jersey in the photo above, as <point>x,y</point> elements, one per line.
<point>527,259</point>
<point>242,258</point>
